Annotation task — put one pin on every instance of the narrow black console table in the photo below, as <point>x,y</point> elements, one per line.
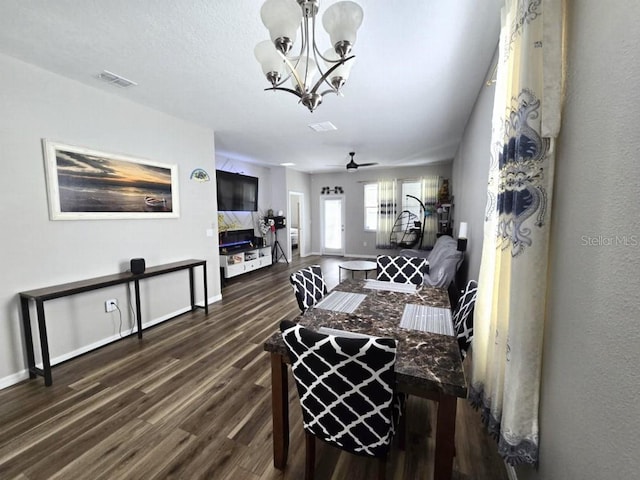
<point>41,295</point>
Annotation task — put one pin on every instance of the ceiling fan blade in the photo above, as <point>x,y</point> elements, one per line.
<point>352,166</point>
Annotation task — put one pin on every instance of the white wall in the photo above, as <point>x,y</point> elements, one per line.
<point>353,186</point>
<point>36,252</point>
<point>280,201</point>
<point>470,173</point>
<point>589,411</point>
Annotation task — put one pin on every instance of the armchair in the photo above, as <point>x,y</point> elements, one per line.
<point>444,261</point>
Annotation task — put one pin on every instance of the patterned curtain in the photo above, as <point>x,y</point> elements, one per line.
<point>387,212</point>
<point>510,308</point>
<point>429,186</point>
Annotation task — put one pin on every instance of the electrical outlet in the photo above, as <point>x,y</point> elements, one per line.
<point>110,305</point>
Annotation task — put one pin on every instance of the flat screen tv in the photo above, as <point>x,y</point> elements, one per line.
<point>236,192</point>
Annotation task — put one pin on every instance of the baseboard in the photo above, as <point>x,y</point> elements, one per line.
<point>511,472</point>
<point>13,379</point>
<point>24,374</point>
<point>352,255</point>
<point>113,338</point>
<point>214,299</point>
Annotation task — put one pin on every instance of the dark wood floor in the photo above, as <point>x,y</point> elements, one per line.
<point>192,401</point>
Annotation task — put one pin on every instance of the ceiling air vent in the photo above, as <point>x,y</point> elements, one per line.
<point>114,79</point>
<point>322,127</point>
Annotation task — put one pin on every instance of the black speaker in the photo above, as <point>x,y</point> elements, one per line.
<point>137,265</point>
<point>280,222</point>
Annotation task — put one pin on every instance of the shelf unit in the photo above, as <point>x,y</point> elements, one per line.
<point>237,263</point>
<point>445,219</point>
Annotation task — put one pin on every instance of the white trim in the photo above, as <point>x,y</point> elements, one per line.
<point>360,255</point>
<point>113,338</point>
<point>323,248</point>
<point>14,378</point>
<point>24,374</point>
<point>215,298</point>
<point>302,222</point>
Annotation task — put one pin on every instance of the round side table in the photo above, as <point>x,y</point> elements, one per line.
<point>356,266</point>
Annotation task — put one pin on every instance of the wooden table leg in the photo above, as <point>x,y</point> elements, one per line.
<point>445,436</point>
<point>280,410</point>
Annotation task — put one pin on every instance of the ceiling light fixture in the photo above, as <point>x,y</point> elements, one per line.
<point>282,18</point>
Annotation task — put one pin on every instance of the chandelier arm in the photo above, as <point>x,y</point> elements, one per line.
<point>292,69</point>
<point>331,90</point>
<point>281,82</point>
<point>316,54</point>
<point>290,90</point>
<point>309,45</point>
<point>326,75</point>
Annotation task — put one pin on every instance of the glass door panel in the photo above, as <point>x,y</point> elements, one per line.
<point>333,225</point>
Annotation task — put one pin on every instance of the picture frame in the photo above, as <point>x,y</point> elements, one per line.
<point>86,184</point>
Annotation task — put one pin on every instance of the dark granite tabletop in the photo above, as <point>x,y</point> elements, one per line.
<point>425,361</point>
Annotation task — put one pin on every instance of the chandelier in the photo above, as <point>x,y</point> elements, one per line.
<point>282,18</point>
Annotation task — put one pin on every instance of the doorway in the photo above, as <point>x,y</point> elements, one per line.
<point>332,230</point>
<point>297,232</point>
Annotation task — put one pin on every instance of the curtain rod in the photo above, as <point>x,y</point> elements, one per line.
<point>398,179</point>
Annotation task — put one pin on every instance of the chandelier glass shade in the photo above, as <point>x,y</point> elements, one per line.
<point>313,74</point>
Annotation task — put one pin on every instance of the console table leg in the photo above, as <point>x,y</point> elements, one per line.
<point>44,344</point>
<point>191,292</point>
<point>136,285</point>
<point>28,336</point>
<point>206,295</point>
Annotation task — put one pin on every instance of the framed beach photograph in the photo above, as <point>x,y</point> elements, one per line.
<point>88,184</point>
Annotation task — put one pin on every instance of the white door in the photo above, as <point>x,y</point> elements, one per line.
<point>332,225</point>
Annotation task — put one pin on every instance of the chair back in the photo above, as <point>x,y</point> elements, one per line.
<point>308,286</point>
<point>400,269</point>
<point>346,388</point>
<point>463,317</point>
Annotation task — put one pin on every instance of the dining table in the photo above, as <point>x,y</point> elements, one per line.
<point>428,361</point>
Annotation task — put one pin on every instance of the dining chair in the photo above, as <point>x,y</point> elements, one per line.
<point>463,317</point>
<point>309,286</point>
<point>347,392</point>
<point>401,269</point>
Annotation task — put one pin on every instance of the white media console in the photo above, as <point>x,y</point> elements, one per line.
<point>242,252</point>
<point>237,263</point>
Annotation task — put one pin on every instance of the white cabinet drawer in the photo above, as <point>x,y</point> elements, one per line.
<point>233,270</point>
<point>251,265</point>
<point>265,261</point>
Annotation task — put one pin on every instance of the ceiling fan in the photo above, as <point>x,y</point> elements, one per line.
<point>353,166</point>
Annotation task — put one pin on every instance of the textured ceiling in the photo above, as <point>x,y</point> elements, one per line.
<point>419,68</point>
